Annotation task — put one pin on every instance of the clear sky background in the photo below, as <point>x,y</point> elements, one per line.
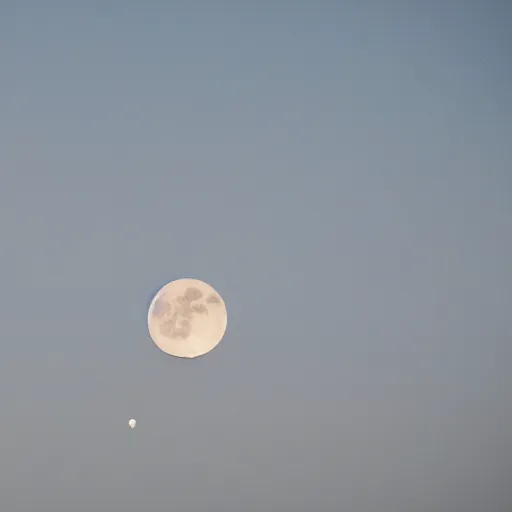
<point>340,172</point>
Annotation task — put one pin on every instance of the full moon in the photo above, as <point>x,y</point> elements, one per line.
<point>187,318</point>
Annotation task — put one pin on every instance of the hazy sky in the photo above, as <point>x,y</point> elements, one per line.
<point>340,172</point>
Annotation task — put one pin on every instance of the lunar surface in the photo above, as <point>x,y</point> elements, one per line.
<point>187,318</point>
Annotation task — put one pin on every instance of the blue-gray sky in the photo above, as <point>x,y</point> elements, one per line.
<point>339,172</point>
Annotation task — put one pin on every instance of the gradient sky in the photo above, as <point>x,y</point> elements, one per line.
<point>339,172</point>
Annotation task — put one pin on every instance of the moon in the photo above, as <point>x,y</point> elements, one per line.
<point>187,318</point>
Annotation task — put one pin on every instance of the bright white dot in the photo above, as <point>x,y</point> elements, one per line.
<point>132,423</point>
